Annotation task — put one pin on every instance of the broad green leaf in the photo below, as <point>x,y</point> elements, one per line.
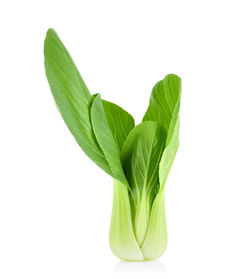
<point>72,97</point>
<point>164,97</point>
<point>106,139</point>
<point>141,154</point>
<point>172,145</point>
<point>164,108</point>
<point>120,122</point>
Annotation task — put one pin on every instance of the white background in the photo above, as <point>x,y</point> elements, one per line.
<point>55,204</point>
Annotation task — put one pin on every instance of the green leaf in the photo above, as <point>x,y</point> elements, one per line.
<point>120,122</point>
<point>72,97</point>
<point>172,145</point>
<point>163,100</point>
<point>106,139</point>
<point>164,108</point>
<point>141,154</point>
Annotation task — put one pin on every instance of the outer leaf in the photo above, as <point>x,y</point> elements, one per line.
<point>71,96</point>
<point>172,145</point>
<point>120,122</point>
<point>164,107</point>
<point>141,155</point>
<point>164,97</point>
<point>105,138</point>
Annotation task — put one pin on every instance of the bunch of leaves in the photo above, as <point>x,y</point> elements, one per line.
<point>139,158</point>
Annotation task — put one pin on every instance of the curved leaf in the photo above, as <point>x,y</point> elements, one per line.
<point>141,154</point>
<point>164,108</point>
<point>172,145</point>
<point>163,100</point>
<point>120,121</point>
<point>106,139</point>
<point>72,97</point>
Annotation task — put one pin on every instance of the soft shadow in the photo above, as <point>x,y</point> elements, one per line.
<point>140,267</point>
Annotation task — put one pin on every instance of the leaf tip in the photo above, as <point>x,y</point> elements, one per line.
<point>50,31</point>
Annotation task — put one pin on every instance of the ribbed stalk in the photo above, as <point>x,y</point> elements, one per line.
<point>144,240</point>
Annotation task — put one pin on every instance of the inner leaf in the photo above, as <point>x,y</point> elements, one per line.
<point>140,155</point>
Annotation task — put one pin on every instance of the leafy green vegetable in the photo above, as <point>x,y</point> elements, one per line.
<point>139,158</point>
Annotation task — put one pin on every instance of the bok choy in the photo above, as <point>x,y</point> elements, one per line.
<point>139,158</point>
